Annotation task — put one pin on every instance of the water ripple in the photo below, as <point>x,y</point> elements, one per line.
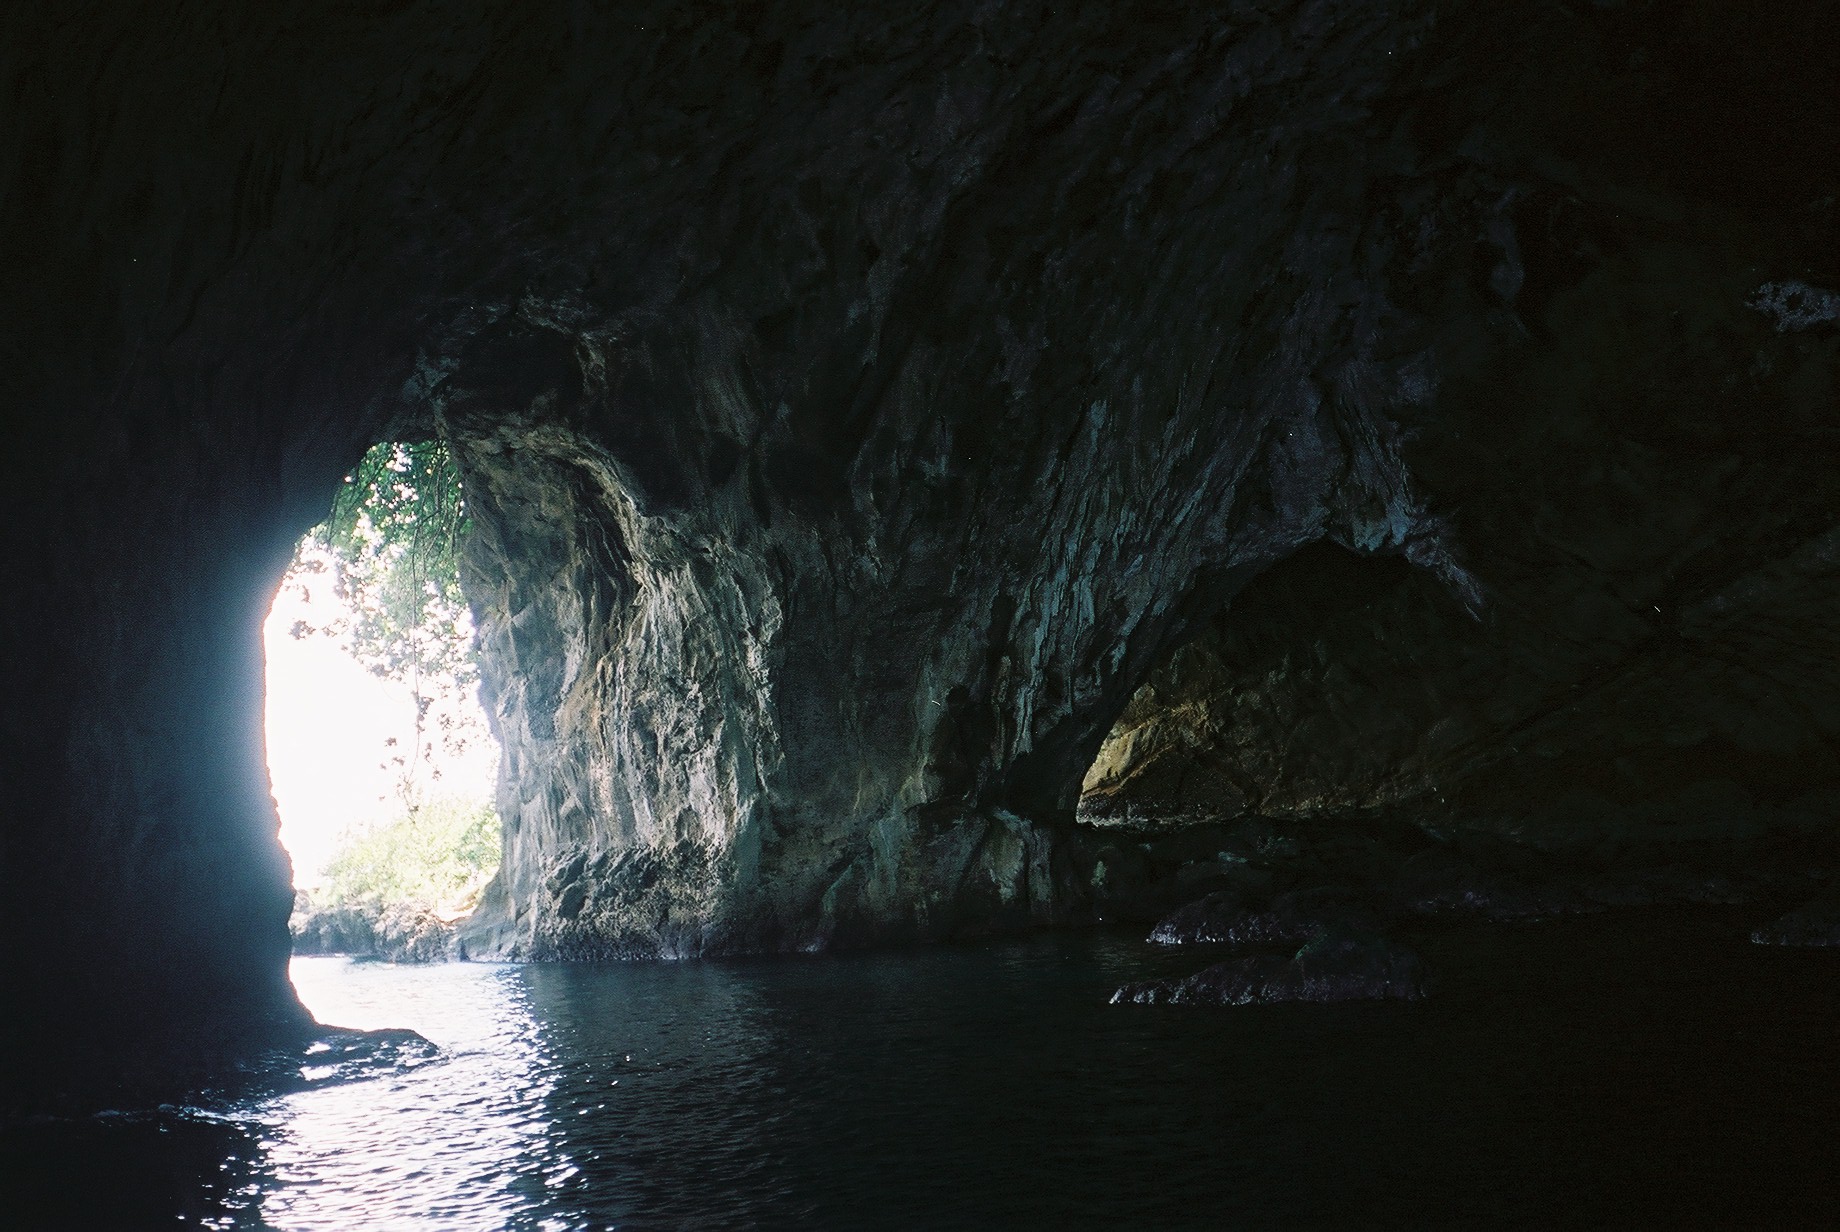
<point>1596,1072</point>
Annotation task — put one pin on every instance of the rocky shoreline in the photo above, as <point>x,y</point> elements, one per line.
<point>392,932</point>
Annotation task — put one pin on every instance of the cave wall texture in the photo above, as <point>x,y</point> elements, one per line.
<point>1408,406</point>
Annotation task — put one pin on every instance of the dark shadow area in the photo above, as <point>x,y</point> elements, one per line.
<point>1219,729</point>
<point>135,1170</point>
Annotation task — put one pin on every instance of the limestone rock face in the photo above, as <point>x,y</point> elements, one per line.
<point>808,591</point>
<point>860,407</point>
<point>852,549</point>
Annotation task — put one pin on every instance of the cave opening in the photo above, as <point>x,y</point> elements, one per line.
<point>1246,715</point>
<point>381,758</point>
<point>1281,748</point>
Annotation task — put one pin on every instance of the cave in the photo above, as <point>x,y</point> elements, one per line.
<point>938,473</point>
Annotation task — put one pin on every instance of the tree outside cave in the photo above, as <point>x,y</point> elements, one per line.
<point>382,762</point>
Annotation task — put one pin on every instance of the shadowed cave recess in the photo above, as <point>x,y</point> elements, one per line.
<point>936,470</point>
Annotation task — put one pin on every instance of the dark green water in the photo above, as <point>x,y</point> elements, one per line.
<point>1627,1071</point>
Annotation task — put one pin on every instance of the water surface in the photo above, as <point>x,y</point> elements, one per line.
<point>1618,1071</point>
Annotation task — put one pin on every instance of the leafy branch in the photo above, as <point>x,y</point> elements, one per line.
<point>391,547</point>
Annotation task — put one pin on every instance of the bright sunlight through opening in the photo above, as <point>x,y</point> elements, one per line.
<point>332,730</point>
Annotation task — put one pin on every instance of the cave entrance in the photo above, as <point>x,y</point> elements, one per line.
<point>1283,702</point>
<point>1254,755</point>
<point>381,758</point>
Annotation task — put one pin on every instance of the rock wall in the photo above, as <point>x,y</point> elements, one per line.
<point>856,544</point>
<point>853,549</point>
<point>194,350</point>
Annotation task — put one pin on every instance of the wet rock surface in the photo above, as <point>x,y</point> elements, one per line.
<point>1334,967</point>
<point>1370,883</point>
<point>1226,918</point>
<point>1200,881</point>
<point>1816,923</point>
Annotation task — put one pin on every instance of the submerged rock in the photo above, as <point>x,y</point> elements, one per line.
<point>1328,969</point>
<point>344,1054</point>
<point>1225,918</point>
<point>1437,883</point>
<point>1816,923</point>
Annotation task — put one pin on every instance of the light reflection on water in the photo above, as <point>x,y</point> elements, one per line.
<point>459,1142</point>
<point>881,1088</point>
<point>1609,1070</point>
<point>1618,1071</point>
<point>565,1097</point>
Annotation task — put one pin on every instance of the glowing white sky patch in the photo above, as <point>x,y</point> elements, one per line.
<point>327,723</point>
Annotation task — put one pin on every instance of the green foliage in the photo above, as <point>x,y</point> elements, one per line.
<point>391,546</point>
<point>439,854</point>
<point>394,539</point>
